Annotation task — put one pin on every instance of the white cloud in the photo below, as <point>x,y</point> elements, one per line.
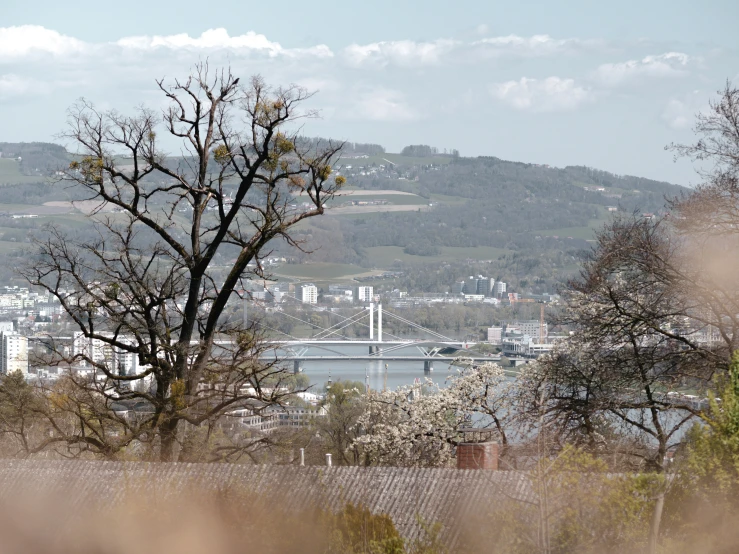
<point>401,52</point>
<point>381,104</point>
<point>17,43</point>
<point>218,39</point>
<point>541,95</point>
<point>680,113</point>
<point>670,64</point>
<point>675,115</point>
<point>411,53</point>
<point>25,40</point>
<point>13,86</point>
<point>536,45</point>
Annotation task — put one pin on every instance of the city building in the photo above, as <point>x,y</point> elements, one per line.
<point>524,346</point>
<point>479,285</point>
<point>531,327</point>
<point>484,285</point>
<point>13,353</point>
<point>499,289</point>
<point>364,294</point>
<point>95,351</point>
<point>495,335</point>
<point>308,294</point>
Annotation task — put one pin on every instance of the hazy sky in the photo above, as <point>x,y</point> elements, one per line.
<point>566,82</point>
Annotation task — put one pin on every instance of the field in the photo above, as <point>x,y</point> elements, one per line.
<point>449,200</point>
<point>322,271</point>
<point>360,210</point>
<point>10,173</point>
<point>396,159</point>
<point>585,233</point>
<point>385,256</point>
<point>8,246</point>
<point>367,196</point>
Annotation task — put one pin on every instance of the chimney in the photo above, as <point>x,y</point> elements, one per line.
<point>477,455</point>
<point>477,450</point>
<point>302,457</point>
<point>328,460</point>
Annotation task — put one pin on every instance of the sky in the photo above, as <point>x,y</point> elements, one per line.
<point>560,83</point>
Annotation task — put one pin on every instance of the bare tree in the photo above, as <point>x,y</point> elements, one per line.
<point>655,313</point>
<point>173,240</point>
<point>643,337</point>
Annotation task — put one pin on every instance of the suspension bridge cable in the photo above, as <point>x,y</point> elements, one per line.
<point>421,327</point>
<point>417,326</point>
<point>351,320</point>
<point>309,323</point>
<point>338,315</point>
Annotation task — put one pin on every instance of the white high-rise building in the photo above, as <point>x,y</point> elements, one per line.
<point>115,360</point>
<point>499,289</point>
<point>365,294</point>
<point>13,353</point>
<point>495,335</point>
<point>308,294</point>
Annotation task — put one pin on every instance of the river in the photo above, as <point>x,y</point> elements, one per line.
<point>399,372</point>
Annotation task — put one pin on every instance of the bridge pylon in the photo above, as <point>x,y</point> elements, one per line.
<point>379,322</point>
<point>428,367</point>
<point>372,322</point>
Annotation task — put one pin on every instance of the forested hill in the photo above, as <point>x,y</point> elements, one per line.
<point>491,202</point>
<point>527,220</point>
<point>36,158</point>
<point>490,177</point>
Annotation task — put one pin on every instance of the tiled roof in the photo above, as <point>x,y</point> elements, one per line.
<point>447,496</point>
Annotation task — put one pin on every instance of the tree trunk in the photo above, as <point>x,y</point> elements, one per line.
<point>656,522</point>
<point>168,436</point>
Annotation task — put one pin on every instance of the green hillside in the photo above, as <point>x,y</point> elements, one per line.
<point>10,173</point>
<point>525,223</point>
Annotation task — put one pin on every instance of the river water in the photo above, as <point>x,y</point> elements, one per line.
<point>399,372</point>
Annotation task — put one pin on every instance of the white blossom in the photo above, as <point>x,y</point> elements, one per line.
<point>419,425</point>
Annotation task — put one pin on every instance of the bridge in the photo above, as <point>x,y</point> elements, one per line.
<point>329,341</point>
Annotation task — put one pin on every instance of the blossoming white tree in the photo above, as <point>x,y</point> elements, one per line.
<point>419,425</point>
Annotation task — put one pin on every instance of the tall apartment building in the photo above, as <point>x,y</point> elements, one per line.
<point>470,285</point>
<point>365,294</point>
<point>115,359</point>
<point>474,285</point>
<point>308,294</point>
<point>499,289</point>
<point>13,353</point>
<point>495,335</point>
<point>485,285</point>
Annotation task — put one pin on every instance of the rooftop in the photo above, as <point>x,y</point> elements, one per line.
<point>407,495</point>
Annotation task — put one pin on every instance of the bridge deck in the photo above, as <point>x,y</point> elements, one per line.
<point>388,358</point>
<point>414,342</point>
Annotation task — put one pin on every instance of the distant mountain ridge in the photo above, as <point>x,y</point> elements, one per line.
<point>44,157</point>
<point>525,222</point>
